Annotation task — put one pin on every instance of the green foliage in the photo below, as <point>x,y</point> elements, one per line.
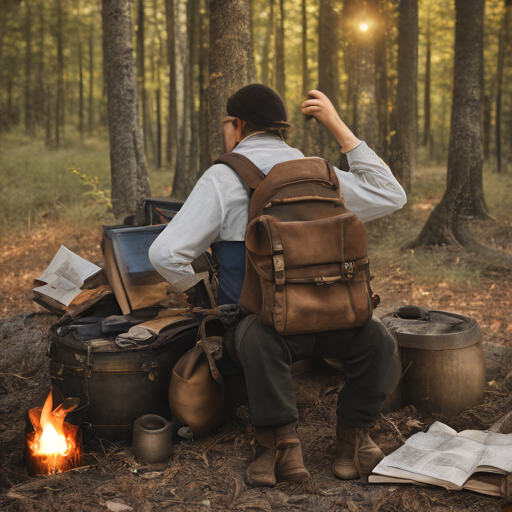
<point>37,186</point>
<point>100,196</point>
<point>71,185</point>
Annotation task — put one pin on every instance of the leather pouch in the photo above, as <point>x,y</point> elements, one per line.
<point>196,389</point>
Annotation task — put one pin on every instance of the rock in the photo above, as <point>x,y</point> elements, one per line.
<point>498,360</point>
<point>116,506</point>
<point>352,505</point>
<point>22,343</point>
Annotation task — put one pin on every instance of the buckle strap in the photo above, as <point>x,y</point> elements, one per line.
<point>279,273</point>
<point>212,352</point>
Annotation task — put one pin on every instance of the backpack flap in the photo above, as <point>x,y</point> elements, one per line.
<point>314,275</point>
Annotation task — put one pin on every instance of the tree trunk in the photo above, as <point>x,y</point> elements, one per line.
<point>403,144</point>
<point>194,38</point>
<point>158,92</point>
<point>80,86</point>
<point>265,58</point>
<point>381,78</point>
<point>487,125</point>
<point>29,114</point>
<point>505,27</point>
<point>426,102</point>
<point>280,74</point>
<point>40,96</point>
<point>141,75</point>
<point>328,75</point>
<point>203,88</point>
<point>130,183</point>
<point>366,113</point>
<point>447,224</point>
<point>91,80</point>
<point>172,120</point>
<point>305,77</point>
<point>59,100</point>
<point>48,134</point>
<point>231,63</point>
<point>349,57</point>
<point>184,157</point>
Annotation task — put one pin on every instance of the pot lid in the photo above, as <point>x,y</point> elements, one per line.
<point>441,331</point>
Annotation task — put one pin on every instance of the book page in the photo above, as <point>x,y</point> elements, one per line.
<point>443,454</point>
<point>69,265</point>
<point>438,427</point>
<point>497,452</point>
<point>65,275</point>
<point>61,290</point>
<point>454,466</point>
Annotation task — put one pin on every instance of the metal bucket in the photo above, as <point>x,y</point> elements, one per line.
<point>443,361</point>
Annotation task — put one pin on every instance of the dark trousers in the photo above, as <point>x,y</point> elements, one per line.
<point>369,356</point>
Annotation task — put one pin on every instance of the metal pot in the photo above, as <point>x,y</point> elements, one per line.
<point>152,438</point>
<point>442,360</point>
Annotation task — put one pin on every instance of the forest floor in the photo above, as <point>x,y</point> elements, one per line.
<point>209,474</point>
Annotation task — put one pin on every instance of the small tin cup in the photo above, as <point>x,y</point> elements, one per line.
<point>152,438</point>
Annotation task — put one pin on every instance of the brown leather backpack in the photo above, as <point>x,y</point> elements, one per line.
<point>307,268</point>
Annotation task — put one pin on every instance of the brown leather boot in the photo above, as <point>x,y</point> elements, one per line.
<point>289,462</point>
<point>262,469</point>
<point>278,452</point>
<point>356,453</point>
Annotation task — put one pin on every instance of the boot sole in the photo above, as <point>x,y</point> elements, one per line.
<point>299,477</point>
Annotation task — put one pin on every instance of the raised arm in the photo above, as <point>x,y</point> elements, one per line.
<point>370,189</point>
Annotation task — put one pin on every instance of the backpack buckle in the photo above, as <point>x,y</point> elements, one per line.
<point>279,273</point>
<point>349,270</point>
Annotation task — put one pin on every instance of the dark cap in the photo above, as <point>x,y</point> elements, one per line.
<point>259,105</point>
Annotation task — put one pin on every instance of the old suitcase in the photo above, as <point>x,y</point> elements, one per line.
<point>116,384</point>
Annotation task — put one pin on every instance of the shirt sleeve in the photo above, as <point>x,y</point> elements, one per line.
<point>188,235</point>
<point>370,189</point>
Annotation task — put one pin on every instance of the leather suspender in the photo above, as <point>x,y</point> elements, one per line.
<point>249,173</point>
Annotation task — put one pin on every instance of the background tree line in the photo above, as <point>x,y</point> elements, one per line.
<point>387,65</point>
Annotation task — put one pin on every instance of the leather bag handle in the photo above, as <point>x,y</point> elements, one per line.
<point>204,342</point>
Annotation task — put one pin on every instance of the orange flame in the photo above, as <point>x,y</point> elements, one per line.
<point>53,446</point>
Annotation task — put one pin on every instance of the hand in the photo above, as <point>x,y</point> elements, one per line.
<point>321,108</point>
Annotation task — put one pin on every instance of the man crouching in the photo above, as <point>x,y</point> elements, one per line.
<point>216,214</point>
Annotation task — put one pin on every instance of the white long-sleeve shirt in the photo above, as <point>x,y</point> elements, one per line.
<point>218,206</point>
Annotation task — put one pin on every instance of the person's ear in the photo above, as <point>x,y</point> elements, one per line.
<point>239,129</point>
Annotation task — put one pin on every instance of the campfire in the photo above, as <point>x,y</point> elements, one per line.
<point>54,445</point>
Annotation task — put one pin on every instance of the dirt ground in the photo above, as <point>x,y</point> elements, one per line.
<point>208,474</point>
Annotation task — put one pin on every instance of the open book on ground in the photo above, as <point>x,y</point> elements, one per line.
<point>474,460</point>
<point>63,280</point>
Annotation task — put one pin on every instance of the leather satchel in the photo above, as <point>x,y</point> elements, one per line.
<point>307,269</point>
<point>196,389</point>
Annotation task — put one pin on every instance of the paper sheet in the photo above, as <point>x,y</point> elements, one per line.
<point>443,454</point>
<point>65,275</point>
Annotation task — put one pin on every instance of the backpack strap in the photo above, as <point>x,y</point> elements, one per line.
<point>249,173</point>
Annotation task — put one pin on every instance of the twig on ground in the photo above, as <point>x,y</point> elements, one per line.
<point>393,424</point>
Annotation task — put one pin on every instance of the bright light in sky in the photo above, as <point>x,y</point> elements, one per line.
<point>363,27</point>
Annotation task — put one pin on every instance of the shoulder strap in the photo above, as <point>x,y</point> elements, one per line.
<point>243,167</point>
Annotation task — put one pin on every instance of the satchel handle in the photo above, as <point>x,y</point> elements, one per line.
<point>205,344</point>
